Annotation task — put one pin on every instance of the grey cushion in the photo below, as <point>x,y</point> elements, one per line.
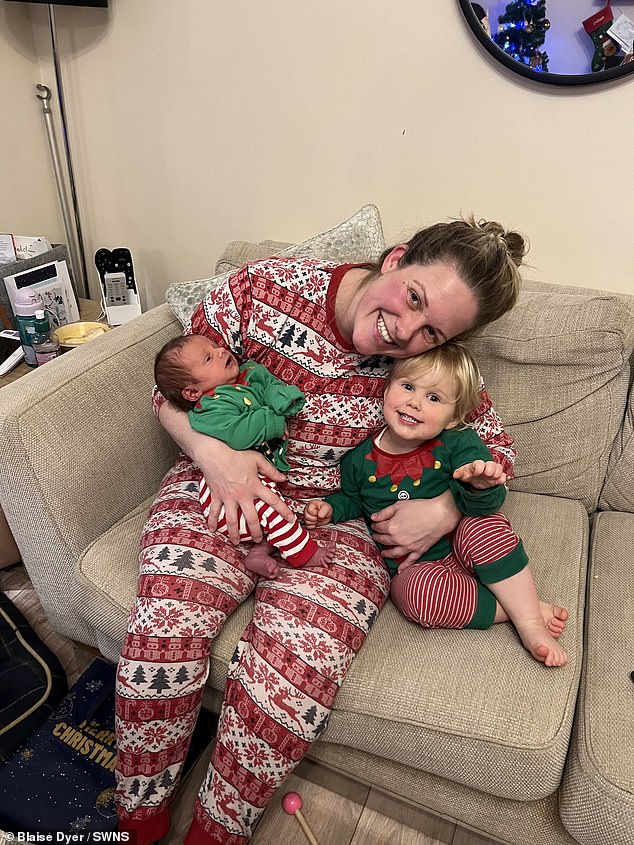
<point>557,367</point>
<point>358,239</point>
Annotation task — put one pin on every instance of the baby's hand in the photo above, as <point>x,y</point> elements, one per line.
<point>317,513</point>
<point>481,474</point>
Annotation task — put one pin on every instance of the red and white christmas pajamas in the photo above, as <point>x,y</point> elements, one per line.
<point>307,626</point>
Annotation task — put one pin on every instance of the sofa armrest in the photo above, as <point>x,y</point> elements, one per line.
<point>81,448</point>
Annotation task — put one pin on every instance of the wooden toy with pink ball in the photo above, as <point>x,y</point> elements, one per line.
<point>292,804</point>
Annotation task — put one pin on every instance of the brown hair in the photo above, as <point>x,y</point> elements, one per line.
<point>451,360</point>
<point>483,253</point>
<point>169,373</point>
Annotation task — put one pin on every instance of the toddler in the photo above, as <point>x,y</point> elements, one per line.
<point>480,574</point>
<point>246,407</point>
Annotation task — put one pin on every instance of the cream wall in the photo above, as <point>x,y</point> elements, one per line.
<point>28,198</point>
<point>197,122</point>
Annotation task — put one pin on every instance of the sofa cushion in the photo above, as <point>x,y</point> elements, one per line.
<point>473,706</point>
<point>358,239</point>
<point>618,490</point>
<point>557,367</point>
<point>597,795</point>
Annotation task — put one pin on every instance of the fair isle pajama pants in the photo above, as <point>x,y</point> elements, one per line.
<point>452,592</point>
<point>291,539</point>
<point>306,627</point>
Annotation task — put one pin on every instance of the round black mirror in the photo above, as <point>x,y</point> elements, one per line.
<point>555,42</point>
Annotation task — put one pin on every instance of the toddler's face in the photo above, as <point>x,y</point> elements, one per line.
<point>209,365</point>
<point>418,407</point>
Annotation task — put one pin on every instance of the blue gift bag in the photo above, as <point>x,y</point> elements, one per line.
<point>62,778</point>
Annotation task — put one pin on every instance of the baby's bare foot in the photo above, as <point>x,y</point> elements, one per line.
<point>260,560</point>
<point>555,618</point>
<point>323,556</point>
<point>539,642</point>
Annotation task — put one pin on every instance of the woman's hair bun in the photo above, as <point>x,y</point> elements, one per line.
<point>514,243</point>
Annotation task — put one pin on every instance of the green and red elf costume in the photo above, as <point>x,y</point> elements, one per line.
<point>447,586</point>
<point>251,414</point>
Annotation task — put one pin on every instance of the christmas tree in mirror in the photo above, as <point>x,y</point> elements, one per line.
<point>522,31</point>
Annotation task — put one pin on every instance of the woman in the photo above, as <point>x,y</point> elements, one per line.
<point>330,330</point>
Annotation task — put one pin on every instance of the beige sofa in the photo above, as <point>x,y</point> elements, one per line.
<point>463,723</point>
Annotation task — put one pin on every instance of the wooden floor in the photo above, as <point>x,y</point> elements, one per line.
<point>338,810</point>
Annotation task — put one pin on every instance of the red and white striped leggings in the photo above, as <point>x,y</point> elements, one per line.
<point>291,539</point>
<point>305,628</point>
<point>447,593</point>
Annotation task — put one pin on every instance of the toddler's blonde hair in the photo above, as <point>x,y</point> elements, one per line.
<point>451,361</point>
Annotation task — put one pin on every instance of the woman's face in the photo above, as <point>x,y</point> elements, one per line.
<point>408,310</point>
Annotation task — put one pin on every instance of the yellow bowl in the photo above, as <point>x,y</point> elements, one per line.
<point>75,334</point>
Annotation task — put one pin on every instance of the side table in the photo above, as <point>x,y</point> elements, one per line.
<point>9,554</point>
<point>89,309</point>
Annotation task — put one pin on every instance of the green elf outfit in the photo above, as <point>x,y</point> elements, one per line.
<point>373,479</point>
<point>250,414</point>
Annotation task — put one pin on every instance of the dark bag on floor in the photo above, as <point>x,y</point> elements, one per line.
<point>32,681</point>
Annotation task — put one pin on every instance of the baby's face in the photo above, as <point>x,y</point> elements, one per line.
<point>209,365</point>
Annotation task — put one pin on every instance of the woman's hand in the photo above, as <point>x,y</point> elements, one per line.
<point>409,528</point>
<point>234,480</point>
<point>233,477</point>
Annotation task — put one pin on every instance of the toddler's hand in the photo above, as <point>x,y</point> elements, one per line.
<point>317,513</point>
<point>481,474</point>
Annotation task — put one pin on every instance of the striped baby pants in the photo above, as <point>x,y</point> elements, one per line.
<point>291,539</point>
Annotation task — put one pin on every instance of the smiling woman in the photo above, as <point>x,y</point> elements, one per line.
<point>325,329</point>
<point>407,309</point>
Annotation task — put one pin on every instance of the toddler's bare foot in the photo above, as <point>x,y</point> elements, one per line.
<point>260,560</point>
<point>323,556</point>
<point>539,642</point>
<point>555,618</point>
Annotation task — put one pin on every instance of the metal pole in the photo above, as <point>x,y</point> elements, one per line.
<point>72,223</point>
<point>45,98</point>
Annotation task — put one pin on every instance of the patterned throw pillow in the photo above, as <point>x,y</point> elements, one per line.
<point>358,239</point>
